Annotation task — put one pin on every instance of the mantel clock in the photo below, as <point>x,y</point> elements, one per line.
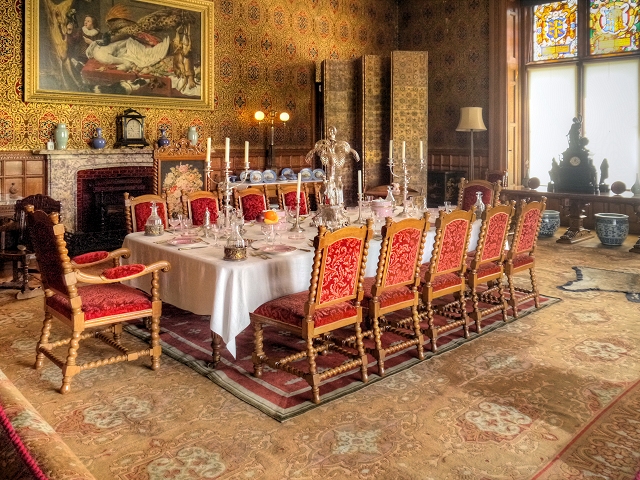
<point>130,130</point>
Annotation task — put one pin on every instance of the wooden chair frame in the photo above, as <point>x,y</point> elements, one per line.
<point>408,328</point>
<point>252,190</point>
<point>130,210</point>
<point>458,306</point>
<point>316,339</point>
<point>71,276</point>
<point>494,187</point>
<point>477,275</point>
<point>282,190</point>
<point>522,257</point>
<point>187,198</point>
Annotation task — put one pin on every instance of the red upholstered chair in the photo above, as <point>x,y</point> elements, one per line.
<point>332,302</point>
<point>195,204</point>
<point>101,302</point>
<point>495,176</point>
<point>444,274</point>
<point>467,193</point>
<point>520,256</point>
<point>395,286</point>
<point>287,197</point>
<point>251,201</point>
<point>138,209</point>
<point>486,267</point>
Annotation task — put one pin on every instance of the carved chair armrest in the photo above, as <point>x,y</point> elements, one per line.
<point>114,276</point>
<point>96,258</point>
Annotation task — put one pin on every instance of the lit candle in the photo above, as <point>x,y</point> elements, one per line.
<point>404,150</point>
<point>390,148</point>
<point>359,183</point>
<point>298,188</point>
<point>421,152</point>
<point>209,153</point>
<point>246,155</point>
<point>227,144</point>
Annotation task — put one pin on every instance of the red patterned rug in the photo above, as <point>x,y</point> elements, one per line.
<point>186,337</point>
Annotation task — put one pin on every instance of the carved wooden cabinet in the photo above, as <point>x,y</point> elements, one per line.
<point>442,186</point>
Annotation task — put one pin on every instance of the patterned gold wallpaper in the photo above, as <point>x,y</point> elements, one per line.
<point>265,56</point>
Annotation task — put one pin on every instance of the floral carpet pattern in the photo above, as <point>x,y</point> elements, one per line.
<point>553,395</point>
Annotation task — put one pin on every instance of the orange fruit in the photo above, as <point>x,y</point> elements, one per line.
<point>271,217</point>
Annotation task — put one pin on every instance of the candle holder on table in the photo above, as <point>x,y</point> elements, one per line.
<point>404,176</point>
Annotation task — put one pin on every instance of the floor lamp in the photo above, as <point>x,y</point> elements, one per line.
<point>471,121</point>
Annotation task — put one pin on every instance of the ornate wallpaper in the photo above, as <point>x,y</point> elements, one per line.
<point>265,56</point>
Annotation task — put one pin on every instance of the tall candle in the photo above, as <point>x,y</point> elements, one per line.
<point>421,152</point>
<point>246,155</point>
<point>404,150</point>
<point>227,144</point>
<point>298,188</point>
<point>359,183</point>
<point>390,148</point>
<point>209,152</point>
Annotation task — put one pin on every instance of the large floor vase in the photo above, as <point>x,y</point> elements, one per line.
<point>612,228</point>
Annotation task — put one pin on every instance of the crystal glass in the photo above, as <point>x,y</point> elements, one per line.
<point>174,221</point>
<point>479,204</point>
<point>154,225</point>
<point>269,233</point>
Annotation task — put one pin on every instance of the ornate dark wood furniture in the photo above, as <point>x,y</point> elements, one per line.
<point>395,286</point>
<point>102,300</point>
<point>520,256</point>
<point>468,189</point>
<point>442,186</point>
<point>444,274</point>
<point>287,197</point>
<point>195,204</point>
<point>333,301</point>
<point>251,201</point>
<point>487,264</point>
<point>18,250</point>
<point>138,209</point>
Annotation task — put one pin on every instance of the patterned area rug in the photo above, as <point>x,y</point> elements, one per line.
<point>588,278</point>
<point>186,338</point>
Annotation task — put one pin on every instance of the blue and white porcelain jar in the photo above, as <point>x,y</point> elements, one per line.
<point>550,223</point>
<point>612,228</point>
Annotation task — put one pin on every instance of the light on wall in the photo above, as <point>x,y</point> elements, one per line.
<point>471,121</point>
<point>260,116</point>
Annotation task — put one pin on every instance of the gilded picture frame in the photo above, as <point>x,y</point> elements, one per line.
<point>147,53</point>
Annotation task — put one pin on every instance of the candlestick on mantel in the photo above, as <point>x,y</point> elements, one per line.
<point>246,155</point>
<point>227,146</point>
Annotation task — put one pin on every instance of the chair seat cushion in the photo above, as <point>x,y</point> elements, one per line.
<point>290,309</point>
<point>441,281</point>
<point>522,260</point>
<point>389,297</point>
<point>486,269</point>
<point>103,300</point>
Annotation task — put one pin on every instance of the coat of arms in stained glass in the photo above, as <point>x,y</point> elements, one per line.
<point>615,26</point>
<point>555,30</point>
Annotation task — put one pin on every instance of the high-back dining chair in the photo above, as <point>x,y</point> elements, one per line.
<point>467,193</point>
<point>487,265</point>
<point>501,176</point>
<point>444,273</point>
<point>251,201</point>
<point>137,210</point>
<point>395,286</point>
<point>520,256</point>
<point>287,197</point>
<point>101,302</point>
<point>195,205</point>
<point>333,301</point>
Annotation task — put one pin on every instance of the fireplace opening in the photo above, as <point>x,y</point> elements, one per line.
<point>100,199</point>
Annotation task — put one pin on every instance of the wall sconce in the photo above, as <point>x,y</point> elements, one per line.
<point>271,117</point>
<point>471,121</point>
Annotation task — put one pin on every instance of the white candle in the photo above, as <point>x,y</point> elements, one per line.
<point>359,183</point>
<point>421,152</point>
<point>390,148</point>
<point>298,188</point>
<point>246,155</point>
<point>227,144</point>
<point>209,152</point>
<point>404,149</point>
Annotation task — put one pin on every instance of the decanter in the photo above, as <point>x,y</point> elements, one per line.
<point>236,248</point>
<point>154,226</point>
<point>479,204</point>
<point>390,197</point>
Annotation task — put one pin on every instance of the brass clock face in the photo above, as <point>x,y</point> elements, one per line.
<point>575,161</point>
<point>133,129</point>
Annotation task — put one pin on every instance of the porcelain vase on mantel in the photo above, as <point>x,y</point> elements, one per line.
<point>98,141</point>
<point>192,136</point>
<point>61,136</point>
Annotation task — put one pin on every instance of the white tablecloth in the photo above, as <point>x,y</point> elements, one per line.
<point>202,282</point>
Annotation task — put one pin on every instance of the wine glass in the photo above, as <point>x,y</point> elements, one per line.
<point>214,229</point>
<point>269,233</point>
<point>174,221</point>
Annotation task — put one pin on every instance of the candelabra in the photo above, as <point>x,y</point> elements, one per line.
<point>403,175</point>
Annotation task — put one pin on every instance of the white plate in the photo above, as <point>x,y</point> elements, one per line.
<point>269,176</point>
<point>286,172</point>
<point>186,240</point>
<point>275,249</point>
<point>306,174</point>
<point>318,174</point>
<point>255,176</point>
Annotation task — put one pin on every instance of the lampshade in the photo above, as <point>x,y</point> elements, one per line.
<point>470,119</point>
<point>259,115</point>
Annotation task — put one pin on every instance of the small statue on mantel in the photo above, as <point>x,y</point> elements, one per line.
<point>574,132</point>
<point>553,175</point>
<point>604,174</point>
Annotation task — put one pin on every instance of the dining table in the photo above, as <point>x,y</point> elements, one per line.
<point>203,282</point>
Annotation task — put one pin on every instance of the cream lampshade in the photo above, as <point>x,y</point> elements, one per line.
<point>471,121</point>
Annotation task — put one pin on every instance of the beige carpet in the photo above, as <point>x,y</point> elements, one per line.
<point>550,396</point>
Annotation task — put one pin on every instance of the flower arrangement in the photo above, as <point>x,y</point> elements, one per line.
<point>183,178</point>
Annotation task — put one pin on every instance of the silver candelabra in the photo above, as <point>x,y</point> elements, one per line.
<point>227,187</point>
<point>404,176</point>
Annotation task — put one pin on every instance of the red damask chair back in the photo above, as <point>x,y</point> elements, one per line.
<point>453,231</point>
<point>287,197</point>
<point>501,176</point>
<point>137,210</point>
<point>493,234</point>
<point>468,189</point>
<point>195,205</point>
<point>527,227</point>
<point>251,201</point>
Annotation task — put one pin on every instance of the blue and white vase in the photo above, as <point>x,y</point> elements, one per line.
<point>98,142</point>
<point>550,223</point>
<point>612,228</point>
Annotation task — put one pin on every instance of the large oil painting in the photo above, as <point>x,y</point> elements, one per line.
<point>119,52</point>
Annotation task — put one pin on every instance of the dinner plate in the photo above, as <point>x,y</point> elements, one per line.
<point>306,174</point>
<point>255,176</point>
<point>318,174</point>
<point>286,172</point>
<point>244,174</point>
<point>275,249</point>
<point>184,240</point>
<point>269,176</point>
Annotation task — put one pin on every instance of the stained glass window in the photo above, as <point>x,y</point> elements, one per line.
<point>555,30</point>
<point>614,26</point>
